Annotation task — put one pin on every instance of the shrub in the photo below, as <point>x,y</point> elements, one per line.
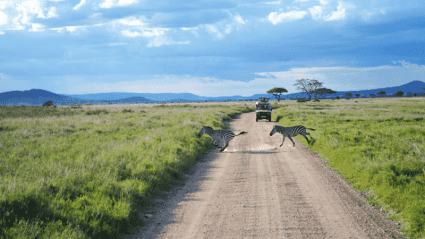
<point>48,103</point>
<point>337,97</point>
<point>301,100</point>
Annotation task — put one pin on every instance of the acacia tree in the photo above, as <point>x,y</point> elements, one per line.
<point>399,93</point>
<point>382,93</point>
<point>357,95</point>
<point>324,91</point>
<point>277,92</point>
<point>349,94</point>
<point>308,86</point>
<point>372,95</point>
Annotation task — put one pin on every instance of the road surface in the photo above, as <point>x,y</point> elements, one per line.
<point>257,189</point>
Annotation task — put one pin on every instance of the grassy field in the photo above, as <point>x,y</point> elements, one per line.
<point>378,145</point>
<point>81,172</point>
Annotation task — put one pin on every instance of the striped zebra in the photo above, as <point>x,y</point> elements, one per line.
<point>291,131</point>
<point>220,135</point>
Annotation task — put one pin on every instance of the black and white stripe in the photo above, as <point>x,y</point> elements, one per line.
<point>291,131</point>
<point>222,135</point>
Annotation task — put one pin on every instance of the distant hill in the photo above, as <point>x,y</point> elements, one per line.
<point>39,97</point>
<point>150,96</point>
<point>413,87</point>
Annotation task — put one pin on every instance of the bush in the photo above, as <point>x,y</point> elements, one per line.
<point>48,103</point>
<point>301,100</point>
<point>316,100</point>
<point>337,97</point>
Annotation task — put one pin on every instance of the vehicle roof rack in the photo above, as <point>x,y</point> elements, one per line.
<point>264,99</point>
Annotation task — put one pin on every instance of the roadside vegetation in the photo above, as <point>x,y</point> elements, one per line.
<point>378,145</point>
<point>82,171</point>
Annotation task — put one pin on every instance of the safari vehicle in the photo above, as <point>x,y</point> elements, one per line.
<point>263,109</point>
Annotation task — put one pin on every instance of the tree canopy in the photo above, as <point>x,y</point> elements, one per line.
<point>324,91</point>
<point>399,93</point>
<point>382,93</point>
<point>277,92</point>
<point>308,86</point>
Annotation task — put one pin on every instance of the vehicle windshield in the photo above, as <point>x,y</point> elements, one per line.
<point>263,107</point>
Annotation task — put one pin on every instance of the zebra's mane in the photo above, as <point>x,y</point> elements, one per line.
<point>207,127</point>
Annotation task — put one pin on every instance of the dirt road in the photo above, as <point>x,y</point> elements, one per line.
<point>257,190</point>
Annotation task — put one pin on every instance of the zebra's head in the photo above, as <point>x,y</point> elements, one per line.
<point>273,130</point>
<point>204,129</point>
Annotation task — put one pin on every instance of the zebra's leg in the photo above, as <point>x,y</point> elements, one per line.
<point>306,138</point>
<point>282,141</point>
<point>214,142</point>
<point>309,135</point>
<point>291,140</point>
<point>225,145</point>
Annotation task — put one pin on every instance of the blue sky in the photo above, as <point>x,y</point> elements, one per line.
<point>209,47</point>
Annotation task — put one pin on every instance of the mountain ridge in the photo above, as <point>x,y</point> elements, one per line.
<point>39,96</point>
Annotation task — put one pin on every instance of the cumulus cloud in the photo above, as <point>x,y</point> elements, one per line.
<point>286,16</point>
<point>3,18</point>
<point>239,19</point>
<point>316,12</point>
<point>340,13</point>
<point>117,3</point>
<point>78,6</point>
<point>36,27</point>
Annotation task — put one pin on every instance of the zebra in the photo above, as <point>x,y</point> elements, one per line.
<point>291,131</point>
<point>221,135</point>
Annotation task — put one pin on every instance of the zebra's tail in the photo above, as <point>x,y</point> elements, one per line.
<point>243,132</point>
<point>310,129</point>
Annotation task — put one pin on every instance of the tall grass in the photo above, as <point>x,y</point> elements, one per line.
<point>80,172</point>
<point>378,145</point>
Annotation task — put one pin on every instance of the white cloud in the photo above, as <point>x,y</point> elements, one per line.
<point>213,30</point>
<point>163,40</point>
<point>2,32</point>
<point>78,6</point>
<point>339,14</point>
<point>117,3</point>
<point>3,18</point>
<point>275,2</point>
<point>152,32</point>
<point>324,2</point>
<point>286,16</point>
<point>239,19</point>
<point>189,28</point>
<point>52,13</point>
<point>316,12</point>
<point>131,21</point>
<point>36,27</point>
<point>128,33</point>
<point>302,0</point>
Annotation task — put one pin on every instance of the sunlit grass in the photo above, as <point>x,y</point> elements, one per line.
<point>378,145</point>
<point>78,172</point>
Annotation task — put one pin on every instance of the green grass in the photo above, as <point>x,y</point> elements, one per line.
<point>82,171</point>
<point>378,145</point>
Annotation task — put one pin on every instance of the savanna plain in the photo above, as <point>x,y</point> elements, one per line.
<point>83,171</point>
